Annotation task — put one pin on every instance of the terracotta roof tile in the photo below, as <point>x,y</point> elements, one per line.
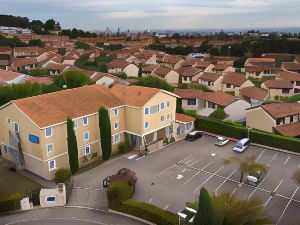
<point>162,71</point>
<point>188,71</point>
<point>291,130</point>
<point>8,75</point>
<point>260,60</point>
<point>40,80</point>
<point>202,65</point>
<point>184,118</point>
<point>56,66</point>
<point>172,59</point>
<point>277,84</point>
<point>280,110</point>
<point>291,76</point>
<point>291,66</point>
<point>24,61</point>
<point>210,76</point>
<point>117,63</point>
<point>260,68</point>
<point>254,93</point>
<point>148,68</point>
<point>234,78</point>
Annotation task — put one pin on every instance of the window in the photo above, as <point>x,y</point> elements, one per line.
<point>52,165</point>
<point>116,112</point>
<point>191,101</point>
<point>17,128</point>
<point>285,91</point>
<point>51,199</point>
<point>50,148</point>
<point>162,118</point>
<point>86,136</point>
<point>87,150</point>
<point>5,149</point>
<point>211,105</point>
<point>146,111</point>
<point>85,120</point>
<point>189,126</point>
<point>146,125</point>
<point>170,130</point>
<point>280,121</point>
<point>48,131</point>
<point>154,109</point>
<point>168,104</point>
<point>75,124</point>
<point>116,138</point>
<point>162,105</point>
<point>116,125</point>
<point>291,119</point>
<point>228,85</point>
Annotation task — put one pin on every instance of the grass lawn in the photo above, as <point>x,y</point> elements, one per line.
<point>11,181</point>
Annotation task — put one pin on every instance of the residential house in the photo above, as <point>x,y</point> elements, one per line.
<point>40,80</point>
<point>282,118</point>
<point>233,82</point>
<point>211,80</point>
<point>184,124</point>
<point>21,64</point>
<point>122,66</point>
<point>148,69</point>
<point>167,74</point>
<point>261,71</point>
<point>204,66</point>
<point>205,103</point>
<point>256,96</point>
<point>291,66</point>
<point>9,77</point>
<point>278,88</point>
<point>21,52</point>
<point>56,68</point>
<point>293,77</point>
<point>5,57</point>
<point>269,62</point>
<point>188,74</point>
<point>172,61</point>
<point>34,130</point>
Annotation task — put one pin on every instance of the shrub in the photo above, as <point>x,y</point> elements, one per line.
<point>38,72</point>
<point>149,212</point>
<point>121,75</point>
<point>118,193</point>
<point>126,146</point>
<point>10,202</point>
<point>218,114</point>
<point>192,113</point>
<point>72,147</point>
<point>62,175</point>
<point>105,133</point>
<point>155,83</point>
<point>172,139</point>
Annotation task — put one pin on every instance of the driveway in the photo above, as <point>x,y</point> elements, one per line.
<point>174,175</point>
<point>66,216</point>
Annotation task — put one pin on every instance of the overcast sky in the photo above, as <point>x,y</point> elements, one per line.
<point>159,14</point>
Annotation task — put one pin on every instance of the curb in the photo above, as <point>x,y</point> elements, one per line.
<point>130,216</point>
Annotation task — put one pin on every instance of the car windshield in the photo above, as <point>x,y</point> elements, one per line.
<point>238,145</point>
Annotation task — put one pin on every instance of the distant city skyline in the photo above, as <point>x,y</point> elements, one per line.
<point>159,14</point>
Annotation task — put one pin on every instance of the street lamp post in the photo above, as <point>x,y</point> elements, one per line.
<point>229,47</point>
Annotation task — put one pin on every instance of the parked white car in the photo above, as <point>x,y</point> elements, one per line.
<point>221,141</point>
<point>241,145</point>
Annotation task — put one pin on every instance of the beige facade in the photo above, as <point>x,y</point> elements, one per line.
<point>274,93</point>
<point>257,118</point>
<point>50,152</point>
<point>236,89</point>
<point>172,77</point>
<point>131,70</point>
<point>213,85</point>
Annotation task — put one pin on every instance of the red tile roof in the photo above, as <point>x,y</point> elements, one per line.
<point>184,118</point>
<point>234,78</point>
<point>280,110</point>
<point>260,60</point>
<point>254,93</point>
<point>172,59</point>
<point>8,75</point>
<point>40,80</point>
<point>24,61</point>
<point>291,76</point>
<point>56,66</point>
<point>188,71</point>
<point>148,68</point>
<point>117,63</point>
<point>202,65</point>
<point>277,84</point>
<point>260,68</point>
<point>210,76</point>
<point>291,130</point>
<point>162,71</point>
<point>291,66</point>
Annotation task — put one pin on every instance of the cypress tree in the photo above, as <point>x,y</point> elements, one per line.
<point>105,133</point>
<point>72,147</point>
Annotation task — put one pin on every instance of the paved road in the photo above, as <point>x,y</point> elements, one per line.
<point>174,175</point>
<point>66,216</point>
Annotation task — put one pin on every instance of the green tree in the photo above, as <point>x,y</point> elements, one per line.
<point>155,83</point>
<point>218,114</point>
<point>75,79</point>
<point>105,133</point>
<point>82,45</point>
<point>72,147</point>
<point>49,25</point>
<point>246,165</point>
<point>121,75</point>
<point>36,42</point>
<point>235,211</point>
<point>62,175</point>
<point>206,214</point>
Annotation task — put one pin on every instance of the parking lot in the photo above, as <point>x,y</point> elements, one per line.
<point>170,177</point>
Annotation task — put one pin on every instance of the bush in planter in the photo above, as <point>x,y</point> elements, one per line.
<point>62,175</point>
<point>172,139</point>
<point>166,140</point>
<point>118,193</point>
<point>10,202</point>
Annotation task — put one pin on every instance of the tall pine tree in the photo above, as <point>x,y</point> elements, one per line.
<point>105,133</point>
<point>72,147</point>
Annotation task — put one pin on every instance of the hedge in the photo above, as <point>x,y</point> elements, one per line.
<point>10,202</point>
<point>62,175</point>
<point>258,137</point>
<point>119,198</point>
<point>149,212</point>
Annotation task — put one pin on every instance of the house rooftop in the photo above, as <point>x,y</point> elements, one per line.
<point>291,76</point>
<point>40,80</point>
<point>260,60</point>
<point>254,93</point>
<point>117,63</point>
<point>278,84</point>
<point>210,76</point>
<point>280,110</point>
<point>24,61</point>
<point>234,78</point>
<point>184,118</point>
<point>291,130</point>
<point>188,71</point>
<point>8,75</point>
<point>162,71</point>
<point>291,66</point>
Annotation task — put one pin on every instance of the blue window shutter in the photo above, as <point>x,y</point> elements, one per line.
<point>34,139</point>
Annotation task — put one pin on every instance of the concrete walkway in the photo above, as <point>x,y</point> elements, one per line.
<point>43,182</point>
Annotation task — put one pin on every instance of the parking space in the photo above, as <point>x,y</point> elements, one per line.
<point>175,175</point>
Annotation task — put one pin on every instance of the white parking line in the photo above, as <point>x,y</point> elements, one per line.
<point>273,191</point>
<point>197,173</point>
<point>287,206</point>
<point>287,160</point>
<point>257,187</point>
<point>208,178</point>
<point>260,155</point>
<point>274,156</point>
<point>216,191</point>
<point>172,166</point>
<point>166,207</point>
<point>151,199</point>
